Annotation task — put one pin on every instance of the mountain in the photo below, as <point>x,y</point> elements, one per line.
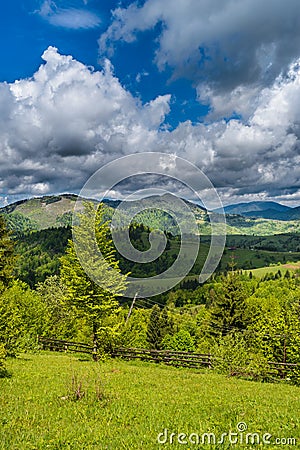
<point>294,213</point>
<point>40,212</point>
<point>56,210</point>
<point>264,210</point>
<point>255,207</point>
<point>261,210</point>
<point>254,218</point>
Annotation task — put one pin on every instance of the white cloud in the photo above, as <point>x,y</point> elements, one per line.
<point>224,47</point>
<point>140,75</point>
<point>261,155</point>
<point>62,124</point>
<point>72,18</point>
<point>241,100</point>
<point>4,201</point>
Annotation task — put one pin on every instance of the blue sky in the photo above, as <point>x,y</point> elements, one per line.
<point>26,33</point>
<point>83,82</point>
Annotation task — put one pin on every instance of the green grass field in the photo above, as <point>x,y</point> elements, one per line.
<point>262,271</point>
<point>127,404</point>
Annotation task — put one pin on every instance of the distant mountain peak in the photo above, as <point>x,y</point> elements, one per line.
<point>260,209</point>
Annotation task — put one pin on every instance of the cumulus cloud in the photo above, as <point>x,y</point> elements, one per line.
<point>59,126</point>
<point>73,18</point>
<point>260,155</point>
<point>65,122</point>
<point>222,47</point>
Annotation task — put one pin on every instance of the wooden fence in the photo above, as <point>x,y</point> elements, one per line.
<point>283,369</point>
<point>178,359</point>
<point>58,345</point>
<point>169,357</point>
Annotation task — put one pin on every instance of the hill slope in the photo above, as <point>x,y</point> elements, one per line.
<point>56,211</point>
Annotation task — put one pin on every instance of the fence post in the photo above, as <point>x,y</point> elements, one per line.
<point>209,361</point>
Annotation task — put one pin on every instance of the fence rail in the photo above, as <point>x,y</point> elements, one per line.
<point>168,357</point>
<point>59,345</point>
<point>179,359</point>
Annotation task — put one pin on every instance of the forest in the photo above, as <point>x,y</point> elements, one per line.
<point>243,320</point>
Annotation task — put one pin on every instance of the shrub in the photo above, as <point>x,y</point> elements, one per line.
<point>22,317</point>
<point>232,357</point>
<point>181,342</point>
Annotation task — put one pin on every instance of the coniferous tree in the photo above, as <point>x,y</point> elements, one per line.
<point>159,325</point>
<point>166,323</point>
<point>94,293</point>
<point>228,311</point>
<point>154,336</point>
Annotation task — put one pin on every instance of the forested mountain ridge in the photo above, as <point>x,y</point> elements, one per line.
<point>264,210</point>
<point>247,207</point>
<point>56,211</point>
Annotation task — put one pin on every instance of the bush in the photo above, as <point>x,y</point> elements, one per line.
<point>180,342</point>
<point>22,317</point>
<point>233,358</point>
<point>134,333</point>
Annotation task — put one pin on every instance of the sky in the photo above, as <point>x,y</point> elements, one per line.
<point>216,82</point>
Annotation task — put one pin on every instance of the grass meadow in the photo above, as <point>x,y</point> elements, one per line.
<point>262,271</point>
<point>61,401</point>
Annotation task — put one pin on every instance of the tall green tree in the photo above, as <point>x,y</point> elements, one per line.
<point>94,293</point>
<point>229,309</point>
<point>159,325</point>
<point>7,258</point>
<point>154,336</point>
